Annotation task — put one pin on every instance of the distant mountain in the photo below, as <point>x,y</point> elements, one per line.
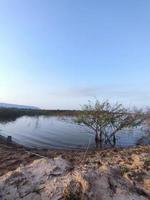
<point>6,105</point>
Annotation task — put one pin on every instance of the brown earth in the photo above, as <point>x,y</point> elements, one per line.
<point>110,173</point>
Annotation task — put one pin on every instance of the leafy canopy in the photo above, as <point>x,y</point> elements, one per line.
<point>104,118</point>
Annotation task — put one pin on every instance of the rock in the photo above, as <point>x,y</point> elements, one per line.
<point>32,196</point>
<point>147,184</point>
<point>51,179</point>
<point>28,181</point>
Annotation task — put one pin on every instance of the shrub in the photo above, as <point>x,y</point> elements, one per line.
<point>124,169</point>
<point>147,163</point>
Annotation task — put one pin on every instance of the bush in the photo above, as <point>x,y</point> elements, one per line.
<point>147,163</point>
<point>124,169</point>
<point>72,196</point>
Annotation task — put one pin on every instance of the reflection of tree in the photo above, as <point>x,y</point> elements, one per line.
<point>5,120</point>
<point>37,124</point>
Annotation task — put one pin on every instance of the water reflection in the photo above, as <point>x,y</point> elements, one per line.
<point>37,124</point>
<point>7,120</point>
<point>55,132</point>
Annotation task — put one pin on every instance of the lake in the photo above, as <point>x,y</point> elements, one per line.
<point>58,133</point>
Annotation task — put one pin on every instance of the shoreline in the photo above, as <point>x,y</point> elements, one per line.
<point>15,145</point>
<point>131,167</point>
<point>3,140</point>
<point>68,153</point>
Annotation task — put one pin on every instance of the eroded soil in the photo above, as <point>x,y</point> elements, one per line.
<point>111,174</point>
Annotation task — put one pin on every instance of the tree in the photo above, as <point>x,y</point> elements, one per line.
<point>105,120</point>
<point>147,122</point>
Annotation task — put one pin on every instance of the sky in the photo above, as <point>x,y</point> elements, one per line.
<point>58,54</point>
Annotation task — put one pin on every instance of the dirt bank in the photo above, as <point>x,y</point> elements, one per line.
<point>114,174</point>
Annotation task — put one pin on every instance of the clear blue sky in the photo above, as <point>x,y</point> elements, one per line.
<point>61,53</point>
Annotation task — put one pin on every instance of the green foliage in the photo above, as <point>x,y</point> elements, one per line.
<point>124,169</point>
<point>72,196</point>
<point>103,117</point>
<point>147,163</point>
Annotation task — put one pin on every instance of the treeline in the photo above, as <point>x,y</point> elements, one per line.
<point>15,113</point>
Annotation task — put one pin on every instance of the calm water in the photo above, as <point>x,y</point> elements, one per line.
<point>53,132</point>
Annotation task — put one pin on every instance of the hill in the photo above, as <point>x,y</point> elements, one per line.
<point>6,105</point>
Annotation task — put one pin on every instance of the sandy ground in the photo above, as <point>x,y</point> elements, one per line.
<point>120,173</point>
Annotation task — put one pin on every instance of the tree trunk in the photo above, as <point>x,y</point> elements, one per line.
<point>114,140</point>
<point>100,139</point>
<point>96,137</point>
